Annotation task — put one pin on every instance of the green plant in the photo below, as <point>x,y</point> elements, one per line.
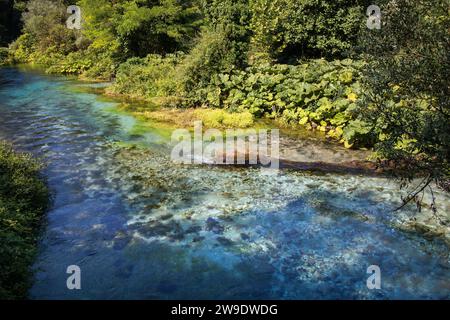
<point>73,63</point>
<point>217,118</point>
<point>4,56</point>
<point>23,201</point>
<point>222,47</point>
<point>150,77</point>
<point>317,94</point>
<point>44,20</point>
<point>289,29</point>
<point>23,48</point>
<point>407,91</point>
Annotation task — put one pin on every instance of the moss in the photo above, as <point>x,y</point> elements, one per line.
<point>216,118</point>
<point>210,118</point>
<point>238,120</point>
<point>185,118</point>
<point>23,201</point>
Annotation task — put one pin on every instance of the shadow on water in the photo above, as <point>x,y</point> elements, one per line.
<point>306,250</point>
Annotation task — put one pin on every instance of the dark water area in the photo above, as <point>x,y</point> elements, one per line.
<point>141,227</point>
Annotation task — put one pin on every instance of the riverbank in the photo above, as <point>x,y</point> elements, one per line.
<point>4,53</point>
<point>301,150</point>
<point>23,201</point>
<point>305,151</point>
<point>142,227</point>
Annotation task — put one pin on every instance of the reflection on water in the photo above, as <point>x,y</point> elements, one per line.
<point>140,226</point>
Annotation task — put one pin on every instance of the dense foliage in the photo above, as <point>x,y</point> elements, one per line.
<point>407,87</point>
<point>283,59</point>
<point>319,95</point>
<point>309,63</point>
<point>4,56</point>
<point>289,29</point>
<point>23,200</point>
<point>149,77</point>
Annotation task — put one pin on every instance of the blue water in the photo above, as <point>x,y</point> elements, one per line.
<point>142,227</point>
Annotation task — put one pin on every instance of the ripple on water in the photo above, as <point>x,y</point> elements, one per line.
<point>140,226</point>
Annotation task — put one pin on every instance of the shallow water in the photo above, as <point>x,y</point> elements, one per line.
<point>140,226</point>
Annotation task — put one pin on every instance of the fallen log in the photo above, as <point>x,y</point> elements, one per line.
<point>362,167</point>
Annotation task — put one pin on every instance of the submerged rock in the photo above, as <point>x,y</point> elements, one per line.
<point>166,217</point>
<point>214,226</point>
<point>225,241</point>
<point>193,229</point>
<point>429,232</point>
<point>171,229</point>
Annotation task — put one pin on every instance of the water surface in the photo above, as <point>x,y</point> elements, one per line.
<point>142,227</point>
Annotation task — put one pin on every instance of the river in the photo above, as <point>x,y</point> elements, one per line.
<point>141,227</point>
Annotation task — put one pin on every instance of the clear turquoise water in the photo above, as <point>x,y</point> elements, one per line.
<point>141,227</point>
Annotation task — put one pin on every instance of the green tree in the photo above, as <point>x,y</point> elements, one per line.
<point>140,27</point>
<point>407,89</point>
<point>222,46</point>
<point>157,26</point>
<point>290,29</point>
<point>45,21</point>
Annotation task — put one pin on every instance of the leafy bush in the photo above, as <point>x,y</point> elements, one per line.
<point>231,18</point>
<point>138,28</point>
<point>158,27</point>
<point>23,48</point>
<point>4,56</point>
<point>153,76</point>
<point>213,54</point>
<point>44,20</point>
<point>45,39</point>
<point>288,29</point>
<point>319,95</point>
<point>73,63</point>
<point>407,86</point>
<point>102,64</point>
<point>23,200</point>
<point>222,46</point>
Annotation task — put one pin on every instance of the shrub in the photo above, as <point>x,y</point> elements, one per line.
<point>289,29</point>
<point>4,56</point>
<point>44,20</point>
<point>317,94</point>
<point>153,76</point>
<point>222,46</point>
<point>22,48</point>
<point>73,63</point>
<point>23,200</point>
<point>213,54</point>
<point>407,87</point>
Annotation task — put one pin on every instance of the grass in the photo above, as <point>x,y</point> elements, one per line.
<point>23,202</point>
